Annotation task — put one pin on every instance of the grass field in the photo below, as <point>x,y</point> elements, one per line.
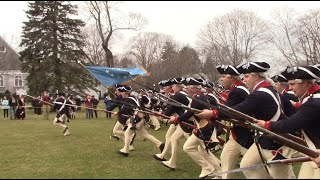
<point>34,148</point>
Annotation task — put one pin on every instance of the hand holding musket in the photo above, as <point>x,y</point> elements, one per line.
<point>317,161</point>
<point>205,114</point>
<point>280,139</point>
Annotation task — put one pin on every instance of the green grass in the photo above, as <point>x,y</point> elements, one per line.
<point>35,148</point>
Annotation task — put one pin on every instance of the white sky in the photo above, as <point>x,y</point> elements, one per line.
<point>182,20</point>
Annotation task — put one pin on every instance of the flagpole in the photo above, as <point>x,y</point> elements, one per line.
<point>79,62</point>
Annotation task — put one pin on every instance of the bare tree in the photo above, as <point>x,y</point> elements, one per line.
<point>283,32</point>
<point>146,50</point>
<point>240,34</point>
<point>308,33</point>
<point>104,14</point>
<point>93,49</point>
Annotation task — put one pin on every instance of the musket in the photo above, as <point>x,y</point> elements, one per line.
<point>285,138</point>
<point>258,166</point>
<point>289,140</point>
<point>71,105</point>
<point>250,122</point>
<point>178,104</point>
<point>148,111</point>
<point>214,90</point>
<point>245,124</point>
<point>218,95</point>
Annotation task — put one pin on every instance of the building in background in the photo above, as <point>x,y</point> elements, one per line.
<point>11,77</point>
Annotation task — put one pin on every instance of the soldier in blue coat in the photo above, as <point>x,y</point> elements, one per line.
<point>119,126</point>
<point>203,133</point>
<point>134,119</point>
<point>282,86</point>
<point>302,79</point>
<point>175,131</point>
<point>240,138</point>
<point>263,102</point>
<point>62,105</point>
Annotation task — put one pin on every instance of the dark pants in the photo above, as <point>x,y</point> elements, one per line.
<point>95,111</point>
<point>108,114</point>
<point>6,113</point>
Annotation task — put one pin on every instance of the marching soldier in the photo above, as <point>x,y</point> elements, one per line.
<point>61,105</point>
<point>282,86</point>
<point>172,140</point>
<point>197,145</point>
<point>240,138</point>
<point>134,119</point>
<point>183,129</point>
<point>154,101</point>
<point>145,102</point>
<point>121,123</point>
<point>168,92</point>
<point>302,79</point>
<point>262,103</point>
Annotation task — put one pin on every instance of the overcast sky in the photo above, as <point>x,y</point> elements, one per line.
<point>182,20</point>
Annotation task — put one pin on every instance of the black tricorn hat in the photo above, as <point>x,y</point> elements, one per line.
<point>280,77</point>
<point>177,80</point>
<point>165,82</point>
<point>117,85</point>
<point>302,72</point>
<point>124,88</point>
<point>250,67</point>
<point>194,81</point>
<point>227,69</point>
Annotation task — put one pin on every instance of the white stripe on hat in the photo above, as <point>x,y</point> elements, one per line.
<point>309,72</point>
<point>282,76</point>
<point>234,69</point>
<point>258,66</point>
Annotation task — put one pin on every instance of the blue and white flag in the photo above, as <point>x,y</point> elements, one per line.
<point>110,76</point>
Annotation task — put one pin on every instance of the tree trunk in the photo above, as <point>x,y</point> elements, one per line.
<point>109,56</point>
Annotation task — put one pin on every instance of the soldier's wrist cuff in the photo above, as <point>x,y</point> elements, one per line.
<point>267,125</point>
<point>215,114</point>
<point>176,119</point>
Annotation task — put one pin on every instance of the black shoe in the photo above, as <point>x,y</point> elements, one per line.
<point>116,137</point>
<point>65,129</point>
<point>157,158</point>
<point>161,147</point>
<point>123,154</point>
<point>171,168</point>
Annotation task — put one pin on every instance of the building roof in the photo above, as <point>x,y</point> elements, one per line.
<point>9,59</point>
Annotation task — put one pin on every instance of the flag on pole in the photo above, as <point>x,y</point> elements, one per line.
<point>110,76</point>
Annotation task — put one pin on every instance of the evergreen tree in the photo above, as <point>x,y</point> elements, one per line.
<point>52,44</point>
<point>169,57</point>
<point>188,61</point>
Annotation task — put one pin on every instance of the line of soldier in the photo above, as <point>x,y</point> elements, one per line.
<point>288,106</point>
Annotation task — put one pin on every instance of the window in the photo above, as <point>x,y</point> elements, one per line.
<point>1,81</point>
<point>2,49</point>
<point>18,81</point>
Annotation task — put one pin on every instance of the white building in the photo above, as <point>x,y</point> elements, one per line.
<point>11,77</point>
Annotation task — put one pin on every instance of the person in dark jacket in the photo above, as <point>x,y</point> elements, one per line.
<point>263,102</point>
<point>302,79</point>
<point>62,105</point>
<point>13,103</point>
<point>240,138</point>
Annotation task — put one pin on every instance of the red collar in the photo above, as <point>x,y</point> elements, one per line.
<point>314,88</point>
<point>235,84</point>
<point>285,90</point>
<point>261,84</point>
